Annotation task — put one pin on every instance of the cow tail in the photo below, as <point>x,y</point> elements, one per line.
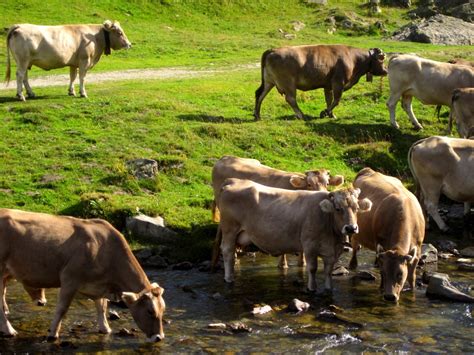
<point>259,91</point>
<point>410,165</point>
<point>216,216</point>
<point>216,248</point>
<point>8,72</point>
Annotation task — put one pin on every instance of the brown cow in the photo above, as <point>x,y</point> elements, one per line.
<point>251,169</point>
<point>443,165</point>
<point>336,68</point>
<point>282,221</point>
<point>89,257</point>
<point>462,109</point>
<point>51,47</point>
<point>394,227</point>
<point>430,81</point>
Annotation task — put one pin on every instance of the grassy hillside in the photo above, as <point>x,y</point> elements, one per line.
<point>67,155</point>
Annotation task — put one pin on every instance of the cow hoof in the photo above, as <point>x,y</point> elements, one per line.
<point>71,93</point>
<point>396,125</point>
<point>418,128</point>
<point>8,335</point>
<point>51,338</point>
<point>41,303</point>
<point>323,114</point>
<point>84,96</point>
<point>332,115</point>
<point>256,117</point>
<point>21,97</point>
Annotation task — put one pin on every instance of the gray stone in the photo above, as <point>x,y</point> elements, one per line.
<point>374,6</point>
<point>318,2</point>
<point>466,267</point>
<point>438,29</point>
<point>429,254</point>
<point>440,287</point>
<point>156,261</point>
<point>143,168</point>
<point>297,306</point>
<point>340,271</point>
<point>149,227</point>
<point>143,254</point>
<point>467,252</point>
<point>447,245</point>
<point>365,275</point>
<point>185,265</point>
<point>297,25</point>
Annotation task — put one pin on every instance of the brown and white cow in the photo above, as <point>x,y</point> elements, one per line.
<point>462,109</point>
<point>394,228</point>
<point>51,47</point>
<point>282,221</point>
<point>251,169</point>
<point>336,68</point>
<point>89,257</point>
<point>430,81</point>
<point>443,165</point>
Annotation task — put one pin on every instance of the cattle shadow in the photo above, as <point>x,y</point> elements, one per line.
<point>8,99</point>
<point>202,117</point>
<point>11,99</point>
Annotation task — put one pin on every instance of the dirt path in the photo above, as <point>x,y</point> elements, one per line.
<point>130,74</point>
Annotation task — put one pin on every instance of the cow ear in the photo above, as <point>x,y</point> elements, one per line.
<point>129,297</point>
<point>157,291</point>
<point>298,182</point>
<point>356,192</point>
<point>326,206</point>
<point>336,180</point>
<point>108,25</point>
<point>365,205</point>
<point>380,250</point>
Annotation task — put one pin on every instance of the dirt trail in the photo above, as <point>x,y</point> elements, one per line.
<point>130,74</point>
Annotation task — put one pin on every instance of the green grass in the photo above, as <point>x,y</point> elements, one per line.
<point>68,155</point>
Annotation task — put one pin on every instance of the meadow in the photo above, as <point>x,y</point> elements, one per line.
<point>67,155</point>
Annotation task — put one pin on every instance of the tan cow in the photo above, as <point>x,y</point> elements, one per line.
<point>282,221</point>
<point>430,81</point>
<point>89,257</point>
<point>251,169</point>
<point>462,109</point>
<point>394,228</point>
<point>51,47</point>
<point>443,165</point>
<point>336,68</point>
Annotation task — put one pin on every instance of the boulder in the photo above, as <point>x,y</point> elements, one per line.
<point>149,227</point>
<point>143,168</point>
<point>429,254</point>
<point>156,261</point>
<point>447,246</point>
<point>185,265</point>
<point>261,309</point>
<point>440,287</point>
<point>340,271</point>
<point>438,29</point>
<point>467,252</point>
<point>297,306</point>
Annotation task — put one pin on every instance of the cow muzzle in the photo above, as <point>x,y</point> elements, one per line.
<point>155,338</point>
<point>349,229</point>
<point>390,297</point>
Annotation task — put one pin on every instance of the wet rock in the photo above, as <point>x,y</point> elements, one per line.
<point>429,254</point>
<point>261,309</point>
<point>467,252</point>
<point>142,168</point>
<point>143,254</point>
<point>334,308</point>
<point>445,255</point>
<point>124,332</point>
<point>447,246</point>
<point>440,287</point>
<point>465,261</point>
<point>156,261</point>
<point>113,315</point>
<point>217,326</point>
<point>329,316</point>
<point>365,276</point>
<point>205,266</point>
<point>466,267</point>
<point>185,265</point>
<point>239,327</point>
<point>216,296</point>
<point>150,227</point>
<point>297,306</point>
<point>340,271</point>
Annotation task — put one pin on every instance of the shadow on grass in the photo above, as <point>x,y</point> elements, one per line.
<point>7,99</point>
<point>213,119</point>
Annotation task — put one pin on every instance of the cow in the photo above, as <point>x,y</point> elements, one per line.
<point>282,221</point>
<point>394,228</point>
<point>51,47</point>
<point>336,68</point>
<point>251,169</point>
<point>430,81</point>
<point>442,165</point>
<point>88,257</point>
<point>462,109</point>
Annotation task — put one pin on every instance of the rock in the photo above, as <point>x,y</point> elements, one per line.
<point>447,245</point>
<point>318,2</point>
<point>143,254</point>
<point>124,332</point>
<point>239,327</point>
<point>329,316</point>
<point>438,29</point>
<point>156,261</point>
<point>365,275</point>
<point>216,296</point>
<point>49,179</point>
<point>465,261</point>
<point>297,25</point>
<point>113,315</point>
<point>217,326</point>
<point>466,267</point>
<point>297,306</point>
<point>188,289</point>
<point>143,168</point>
<point>445,255</point>
<point>440,287</point>
<point>185,265</point>
<point>149,227</point>
<point>467,252</point>
<point>261,309</point>
<point>374,7</point>
<point>429,254</point>
<point>205,266</point>
<point>340,271</point>
<point>463,11</point>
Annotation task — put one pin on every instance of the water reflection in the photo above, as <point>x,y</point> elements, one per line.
<point>196,299</point>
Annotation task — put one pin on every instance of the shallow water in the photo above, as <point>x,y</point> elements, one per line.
<point>195,299</point>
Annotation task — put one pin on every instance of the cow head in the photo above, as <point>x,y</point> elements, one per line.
<point>344,205</point>
<point>394,269</point>
<point>376,67</point>
<point>316,180</point>
<point>118,39</point>
<point>147,308</point>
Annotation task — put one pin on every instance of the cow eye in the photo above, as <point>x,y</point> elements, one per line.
<point>338,209</point>
<point>151,312</point>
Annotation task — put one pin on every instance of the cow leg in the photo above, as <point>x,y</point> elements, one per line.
<point>5,327</point>
<point>101,307</point>
<point>392,105</point>
<point>328,96</point>
<point>353,263</point>
<point>328,268</point>
<point>337,89</point>
<point>301,259</point>
<point>406,105</point>
<point>66,294</point>
<point>467,208</point>
<point>29,91</point>
<point>431,204</point>
<point>260,94</point>
<point>20,76</point>
<point>37,295</point>
<point>229,239</point>
<point>312,267</point>
<point>283,263</point>
<point>72,78</point>
<point>411,277</point>
<point>290,97</point>
<point>82,75</point>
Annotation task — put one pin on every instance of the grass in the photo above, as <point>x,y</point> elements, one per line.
<point>68,155</point>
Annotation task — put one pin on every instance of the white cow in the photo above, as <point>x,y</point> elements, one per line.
<point>51,47</point>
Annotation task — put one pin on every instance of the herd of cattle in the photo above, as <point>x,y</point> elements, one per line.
<point>280,212</point>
